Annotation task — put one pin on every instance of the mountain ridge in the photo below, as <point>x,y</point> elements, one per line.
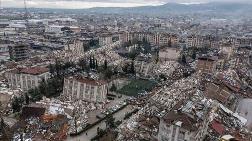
<point>168,8</point>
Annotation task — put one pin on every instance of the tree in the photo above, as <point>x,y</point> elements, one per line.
<point>113,88</point>
<point>163,77</point>
<point>27,99</point>
<point>86,47</point>
<point>35,94</point>
<point>96,64</point>
<point>157,56</point>
<point>110,122</point>
<point>90,63</point>
<point>17,104</point>
<point>68,65</point>
<point>83,64</point>
<point>93,43</point>
<point>105,66</point>
<point>132,68</point>
<point>125,68</point>
<point>54,86</point>
<point>58,68</point>
<point>183,59</point>
<point>169,43</point>
<point>194,54</point>
<point>98,130</point>
<point>115,70</point>
<point>52,69</point>
<point>108,73</point>
<point>133,54</point>
<point>43,87</point>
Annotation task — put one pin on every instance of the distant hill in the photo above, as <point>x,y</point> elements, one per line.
<point>217,8</point>
<point>175,8</point>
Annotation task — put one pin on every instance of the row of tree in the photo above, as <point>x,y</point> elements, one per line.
<point>143,46</point>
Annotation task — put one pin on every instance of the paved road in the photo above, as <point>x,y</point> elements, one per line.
<point>93,131</point>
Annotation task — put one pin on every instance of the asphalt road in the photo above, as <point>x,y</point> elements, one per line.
<point>92,132</point>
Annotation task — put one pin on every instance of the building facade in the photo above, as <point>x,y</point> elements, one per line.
<point>105,39</point>
<point>181,127</point>
<point>85,89</point>
<point>4,52</point>
<point>27,78</point>
<point>159,39</point>
<point>54,29</point>
<point>77,47</point>
<point>19,52</point>
<point>206,64</point>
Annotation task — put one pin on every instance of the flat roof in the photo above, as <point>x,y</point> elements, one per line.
<point>88,81</point>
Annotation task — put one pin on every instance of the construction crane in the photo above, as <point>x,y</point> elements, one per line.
<point>26,16</point>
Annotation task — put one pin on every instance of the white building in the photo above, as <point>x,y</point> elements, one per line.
<point>176,126</point>
<point>105,40</point>
<point>77,47</point>
<point>27,78</point>
<point>4,52</point>
<point>54,29</point>
<point>159,39</point>
<point>77,88</point>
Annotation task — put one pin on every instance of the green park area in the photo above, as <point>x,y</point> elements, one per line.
<point>134,87</point>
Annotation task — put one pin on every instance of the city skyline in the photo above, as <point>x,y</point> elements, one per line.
<point>82,4</point>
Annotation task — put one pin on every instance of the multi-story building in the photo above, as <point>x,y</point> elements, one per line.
<point>243,41</point>
<point>4,52</point>
<point>78,88</point>
<point>105,39</point>
<point>159,39</point>
<point>27,78</point>
<point>19,52</point>
<point>202,41</point>
<point>185,123</point>
<point>77,47</point>
<point>206,64</point>
<point>54,29</point>
<point>193,41</point>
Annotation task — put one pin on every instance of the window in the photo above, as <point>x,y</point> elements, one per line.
<point>92,92</point>
<point>75,87</point>
<point>81,91</point>
<point>87,92</point>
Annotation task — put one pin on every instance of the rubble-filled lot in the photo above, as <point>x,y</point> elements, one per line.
<point>47,127</point>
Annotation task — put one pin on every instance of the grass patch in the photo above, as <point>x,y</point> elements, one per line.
<point>137,86</point>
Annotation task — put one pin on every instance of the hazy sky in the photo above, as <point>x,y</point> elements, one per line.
<point>98,3</point>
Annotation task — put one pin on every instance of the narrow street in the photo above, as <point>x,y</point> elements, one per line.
<point>92,132</point>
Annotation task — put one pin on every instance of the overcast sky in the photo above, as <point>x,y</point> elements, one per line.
<point>76,4</point>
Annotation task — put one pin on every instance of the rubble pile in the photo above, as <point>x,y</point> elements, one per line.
<point>166,68</point>
<point>46,127</point>
<point>178,91</point>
